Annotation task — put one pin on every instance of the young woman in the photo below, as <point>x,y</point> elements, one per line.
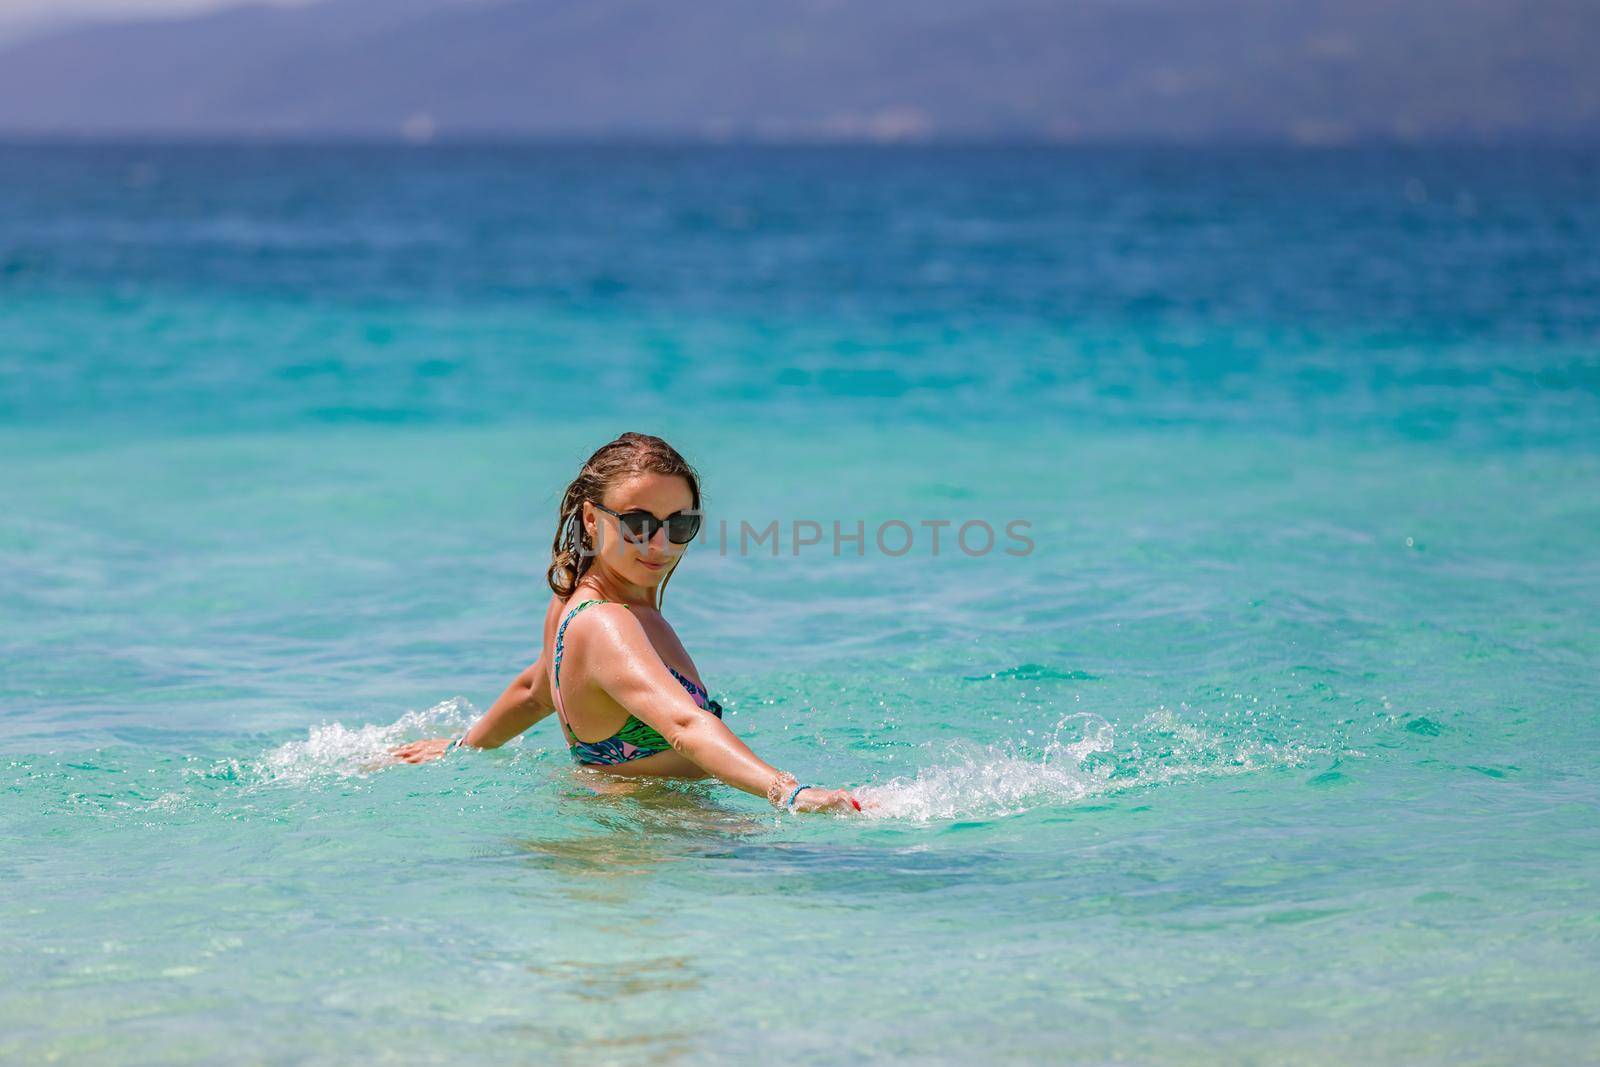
<point>617,677</point>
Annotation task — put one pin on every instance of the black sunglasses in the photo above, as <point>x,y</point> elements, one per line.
<point>639,525</point>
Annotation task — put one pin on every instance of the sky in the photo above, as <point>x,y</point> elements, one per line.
<point>33,9</point>
<point>23,16</point>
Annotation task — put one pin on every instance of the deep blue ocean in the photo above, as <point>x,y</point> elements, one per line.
<point>1279,744</point>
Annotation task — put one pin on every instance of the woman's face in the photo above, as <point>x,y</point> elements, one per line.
<point>641,563</point>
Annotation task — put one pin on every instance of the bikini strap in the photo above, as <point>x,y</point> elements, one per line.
<point>561,643</point>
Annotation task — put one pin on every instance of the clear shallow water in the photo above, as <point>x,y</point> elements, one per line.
<point>1279,746</point>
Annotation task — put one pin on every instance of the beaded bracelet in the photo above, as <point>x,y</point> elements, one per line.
<point>457,743</point>
<point>797,790</point>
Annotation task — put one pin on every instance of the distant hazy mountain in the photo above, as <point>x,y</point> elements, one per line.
<point>1302,70</point>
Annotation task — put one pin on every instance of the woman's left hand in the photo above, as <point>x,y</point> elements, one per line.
<point>422,751</point>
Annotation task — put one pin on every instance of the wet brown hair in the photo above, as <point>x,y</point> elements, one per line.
<point>571,554</point>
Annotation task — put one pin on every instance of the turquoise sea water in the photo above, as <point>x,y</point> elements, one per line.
<point>1280,745</point>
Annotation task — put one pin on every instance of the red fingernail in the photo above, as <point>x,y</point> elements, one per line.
<point>856,802</point>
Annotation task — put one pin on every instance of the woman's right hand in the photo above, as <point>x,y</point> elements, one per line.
<point>814,799</point>
<point>422,751</point>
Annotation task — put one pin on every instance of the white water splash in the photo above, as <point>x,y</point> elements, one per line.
<point>336,750</point>
<point>1079,761</point>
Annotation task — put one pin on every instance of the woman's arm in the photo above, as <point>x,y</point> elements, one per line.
<point>525,701</point>
<point>625,664</point>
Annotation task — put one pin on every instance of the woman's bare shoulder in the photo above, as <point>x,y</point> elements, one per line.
<point>606,625</point>
<point>604,615</point>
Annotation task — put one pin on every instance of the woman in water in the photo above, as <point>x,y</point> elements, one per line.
<point>611,667</point>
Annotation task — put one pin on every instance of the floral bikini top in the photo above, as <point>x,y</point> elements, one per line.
<point>637,738</point>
